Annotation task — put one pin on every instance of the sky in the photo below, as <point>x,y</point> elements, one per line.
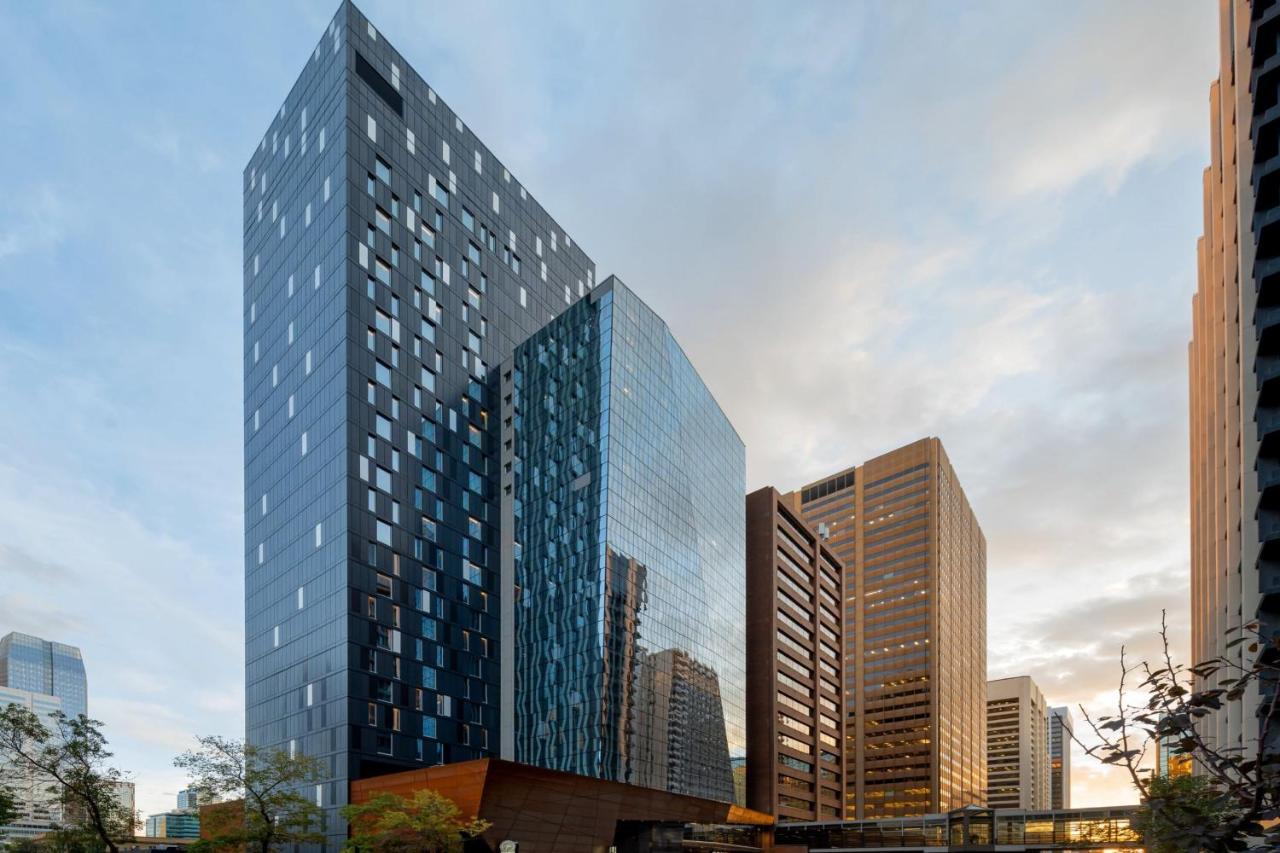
<point>865,223</point>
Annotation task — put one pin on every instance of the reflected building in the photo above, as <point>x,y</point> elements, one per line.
<point>621,495</point>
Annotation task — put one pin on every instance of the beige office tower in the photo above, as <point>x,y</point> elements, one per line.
<point>915,630</point>
<point>1017,745</point>
<point>1234,363</point>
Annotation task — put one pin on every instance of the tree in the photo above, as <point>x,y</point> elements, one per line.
<point>8,805</point>
<point>427,823</point>
<point>1234,801</point>
<point>70,759</point>
<point>1176,802</point>
<point>268,781</point>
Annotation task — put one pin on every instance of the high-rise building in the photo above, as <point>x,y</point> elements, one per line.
<point>622,524</point>
<point>39,810</point>
<point>795,698</point>
<point>390,259</point>
<point>1017,745</point>
<point>1060,728</point>
<point>176,824</point>
<point>915,641</point>
<point>41,666</point>
<point>1234,363</point>
<point>127,796</point>
<point>193,798</point>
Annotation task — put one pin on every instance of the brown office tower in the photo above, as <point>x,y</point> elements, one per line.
<point>915,630</point>
<point>795,753</point>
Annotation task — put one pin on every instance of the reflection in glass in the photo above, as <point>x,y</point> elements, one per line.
<point>627,554</point>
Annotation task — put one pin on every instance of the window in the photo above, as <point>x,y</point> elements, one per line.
<point>371,127</point>
<point>383,427</point>
<point>384,532</point>
<point>473,252</point>
<point>382,373</point>
<point>319,534</point>
<point>384,585</point>
<point>382,170</point>
<point>468,220</point>
<point>383,220</point>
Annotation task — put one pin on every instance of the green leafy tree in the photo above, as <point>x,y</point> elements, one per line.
<point>427,823</point>
<point>70,759</point>
<point>8,805</point>
<point>270,784</point>
<point>1233,802</point>
<point>1175,803</point>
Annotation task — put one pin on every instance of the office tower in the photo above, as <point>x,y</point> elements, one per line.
<point>39,810</point>
<point>192,798</point>
<point>1060,728</point>
<point>622,516</point>
<point>127,796</point>
<point>389,260</point>
<point>795,717</point>
<point>1234,364</point>
<point>176,824</point>
<point>41,666</point>
<point>915,639</point>
<point>1017,745</point>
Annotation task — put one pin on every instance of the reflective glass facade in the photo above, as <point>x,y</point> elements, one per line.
<point>40,666</point>
<point>389,259</point>
<point>623,484</point>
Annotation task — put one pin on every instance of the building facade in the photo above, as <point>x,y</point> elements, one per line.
<point>623,537</point>
<point>1234,363</point>
<point>795,699</point>
<point>178,824</point>
<point>389,261</point>
<point>42,666</point>
<point>1060,728</point>
<point>38,810</point>
<point>1018,775</point>
<point>915,645</point>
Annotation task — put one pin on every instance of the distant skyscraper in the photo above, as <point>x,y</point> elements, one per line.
<point>622,515</point>
<point>1234,364</point>
<point>38,810</point>
<point>1060,728</point>
<point>1017,745</point>
<point>190,798</point>
<point>390,260</point>
<point>179,824</point>
<point>795,698</point>
<point>915,644</point>
<point>41,666</point>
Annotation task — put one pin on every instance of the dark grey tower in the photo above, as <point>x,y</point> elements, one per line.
<point>389,261</point>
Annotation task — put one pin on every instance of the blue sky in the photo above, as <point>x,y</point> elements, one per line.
<point>866,222</point>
